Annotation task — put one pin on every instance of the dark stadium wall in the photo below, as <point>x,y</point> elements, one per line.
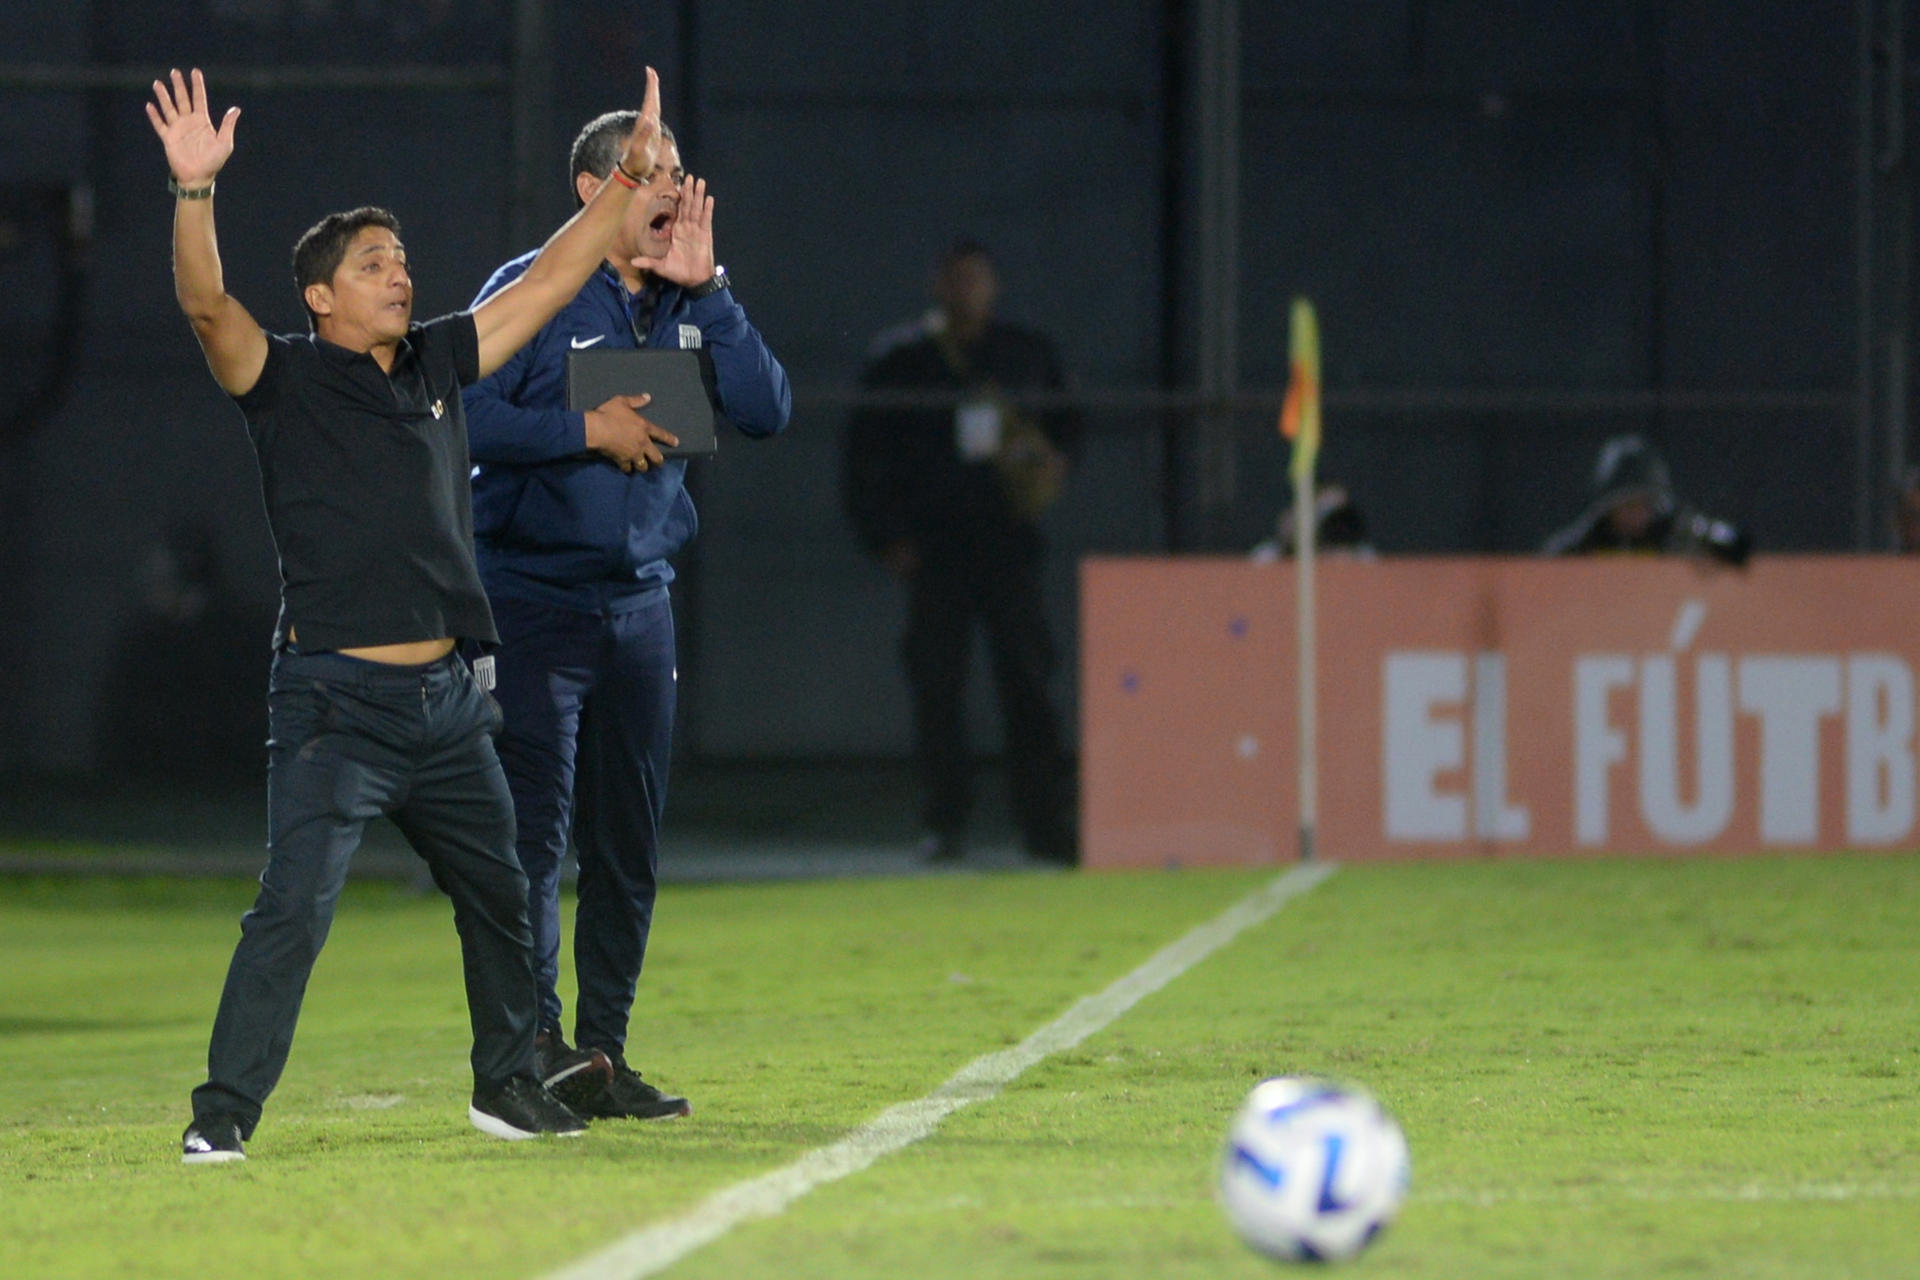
<point>1522,204</point>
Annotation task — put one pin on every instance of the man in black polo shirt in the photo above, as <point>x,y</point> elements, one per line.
<point>363,463</point>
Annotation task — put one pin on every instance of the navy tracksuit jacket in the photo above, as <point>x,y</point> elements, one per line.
<point>552,522</point>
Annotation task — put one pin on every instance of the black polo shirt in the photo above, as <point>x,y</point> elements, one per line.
<point>365,475</point>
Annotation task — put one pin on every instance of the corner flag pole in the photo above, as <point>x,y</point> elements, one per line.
<point>1300,423</point>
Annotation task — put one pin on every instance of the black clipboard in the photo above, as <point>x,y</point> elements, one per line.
<point>676,380</point>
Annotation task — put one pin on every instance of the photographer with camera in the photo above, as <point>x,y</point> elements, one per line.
<point>949,498</point>
<point>1634,510</point>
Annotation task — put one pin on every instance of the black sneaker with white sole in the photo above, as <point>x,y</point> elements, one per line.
<point>628,1097</point>
<point>520,1107</point>
<point>556,1064</point>
<point>214,1140</point>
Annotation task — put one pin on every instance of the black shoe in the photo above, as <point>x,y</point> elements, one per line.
<point>628,1097</point>
<point>521,1107</point>
<point>215,1140</point>
<point>556,1065</point>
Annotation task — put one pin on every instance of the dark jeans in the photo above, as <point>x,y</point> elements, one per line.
<point>589,702</point>
<point>947,600</point>
<point>352,740</point>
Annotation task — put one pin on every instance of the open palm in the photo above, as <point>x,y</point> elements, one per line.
<point>195,149</point>
<point>689,260</point>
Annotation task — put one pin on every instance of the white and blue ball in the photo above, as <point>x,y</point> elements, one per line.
<point>1313,1170</point>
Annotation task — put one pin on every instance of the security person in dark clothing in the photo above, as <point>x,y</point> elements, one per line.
<point>1635,510</point>
<point>948,497</point>
<point>363,465</point>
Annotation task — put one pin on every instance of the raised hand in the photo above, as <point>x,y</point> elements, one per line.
<point>643,144</point>
<point>689,259</point>
<point>195,149</point>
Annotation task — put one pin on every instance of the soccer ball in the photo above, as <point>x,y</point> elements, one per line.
<point>1312,1170</point>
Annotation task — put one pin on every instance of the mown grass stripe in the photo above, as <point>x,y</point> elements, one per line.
<point>1673,1192</point>
<point>654,1248</point>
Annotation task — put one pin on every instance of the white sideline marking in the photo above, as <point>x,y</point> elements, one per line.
<point>653,1249</point>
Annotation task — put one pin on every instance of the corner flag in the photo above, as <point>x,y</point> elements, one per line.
<point>1300,423</point>
<point>1300,414</point>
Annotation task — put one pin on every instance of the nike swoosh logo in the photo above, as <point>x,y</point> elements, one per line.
<point>578,345</point>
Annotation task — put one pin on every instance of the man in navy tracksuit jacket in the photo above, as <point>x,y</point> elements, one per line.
<point>575,515</point>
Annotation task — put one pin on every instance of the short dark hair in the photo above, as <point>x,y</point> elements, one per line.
<point>317,254</point>
<point>597,148</point>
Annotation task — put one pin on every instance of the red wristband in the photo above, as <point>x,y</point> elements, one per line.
<point>624,178</point>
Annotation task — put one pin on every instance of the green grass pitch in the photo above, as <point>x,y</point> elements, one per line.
<point>1605,1069</point>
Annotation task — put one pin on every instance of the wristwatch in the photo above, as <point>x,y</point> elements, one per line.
<point>714,285</point>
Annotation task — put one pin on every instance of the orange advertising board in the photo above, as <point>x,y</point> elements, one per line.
<point>1508,707</point>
